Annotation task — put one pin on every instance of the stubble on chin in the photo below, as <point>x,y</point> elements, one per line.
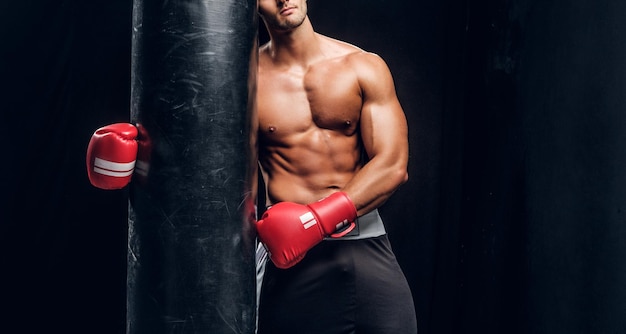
<point>287,23</point>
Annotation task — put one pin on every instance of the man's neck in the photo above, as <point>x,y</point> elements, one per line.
<point>299,46</point>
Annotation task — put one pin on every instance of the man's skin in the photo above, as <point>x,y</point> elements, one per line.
<point>322,104</point>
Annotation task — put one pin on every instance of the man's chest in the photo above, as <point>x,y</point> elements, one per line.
<point>327,97</point>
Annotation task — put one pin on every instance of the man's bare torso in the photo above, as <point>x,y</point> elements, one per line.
<point>309,143</point>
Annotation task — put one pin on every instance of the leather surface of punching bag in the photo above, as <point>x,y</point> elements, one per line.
<point>190,248</point>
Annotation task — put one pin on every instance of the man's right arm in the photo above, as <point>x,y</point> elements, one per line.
<point>384,134</point>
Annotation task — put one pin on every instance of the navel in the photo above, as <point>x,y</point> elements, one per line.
<point>271,128</point>
<point>348,123</point>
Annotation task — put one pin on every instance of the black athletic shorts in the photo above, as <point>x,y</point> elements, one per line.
<point>341,286</point>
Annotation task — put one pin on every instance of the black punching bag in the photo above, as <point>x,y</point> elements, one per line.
<point>190,248</point>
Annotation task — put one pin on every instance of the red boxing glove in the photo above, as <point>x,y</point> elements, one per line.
<point>289,230</point>
<point>144,151</point>
<point>111,156</point>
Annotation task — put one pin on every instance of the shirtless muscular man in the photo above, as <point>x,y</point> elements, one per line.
<point>333,147</point>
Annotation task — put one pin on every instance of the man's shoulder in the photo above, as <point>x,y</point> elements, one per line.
<point>366,63</point>
<point>338,46</point>
<point>350,52</point>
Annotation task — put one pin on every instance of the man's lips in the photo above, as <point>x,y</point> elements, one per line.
<point>286,11</point>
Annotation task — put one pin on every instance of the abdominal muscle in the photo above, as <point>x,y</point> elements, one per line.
<point>307,169</point>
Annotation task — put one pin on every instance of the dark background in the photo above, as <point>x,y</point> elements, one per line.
<point>513,219</point>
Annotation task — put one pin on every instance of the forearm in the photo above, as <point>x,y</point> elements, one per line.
<point>374,184</point>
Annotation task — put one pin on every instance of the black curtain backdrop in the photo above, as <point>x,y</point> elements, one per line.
<point>513,219</point>
<point>65,71</point>
<point>542,225</point>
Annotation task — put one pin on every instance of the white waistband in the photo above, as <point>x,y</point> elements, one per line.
<point>369,225</point>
